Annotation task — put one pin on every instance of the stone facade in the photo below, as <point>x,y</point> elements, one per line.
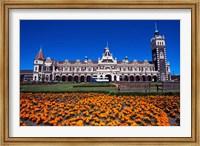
<point>47,69</point>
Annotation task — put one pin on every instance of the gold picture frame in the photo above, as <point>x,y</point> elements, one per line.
<point>132,4</point>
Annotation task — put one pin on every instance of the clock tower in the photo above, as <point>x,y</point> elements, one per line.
<point>158,48</point>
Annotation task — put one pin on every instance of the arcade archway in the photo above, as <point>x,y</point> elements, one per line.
<point>57,78</point>
<point>126,78</point>
<point>109,77</point>
<point>137,78</point>
<point>69,78</point>
<point>149,78</point>
<point>82,78</point>
<point>88,78</point>
<point>131,78</point>
<point>76,79</point>
<point>155,78</point>
<point>64,78</point>
<point>143,78</point>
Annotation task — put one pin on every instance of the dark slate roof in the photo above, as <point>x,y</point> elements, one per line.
<point>107,60</point>
<point>26,71</point>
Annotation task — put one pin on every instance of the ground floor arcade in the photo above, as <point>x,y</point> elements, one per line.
<point>89,78</point>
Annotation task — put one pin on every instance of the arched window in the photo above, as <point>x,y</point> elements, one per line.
<point>107,68</point>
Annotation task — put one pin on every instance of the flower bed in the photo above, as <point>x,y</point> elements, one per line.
<point>96,109</point>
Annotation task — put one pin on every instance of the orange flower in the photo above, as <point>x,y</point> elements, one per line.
<point>73,109</point>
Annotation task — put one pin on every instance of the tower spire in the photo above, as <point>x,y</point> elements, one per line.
<point>107,44</point>
<point>156,27</point>
<point>40,54</point>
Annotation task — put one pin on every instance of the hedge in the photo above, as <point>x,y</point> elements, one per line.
<point>112,93</point>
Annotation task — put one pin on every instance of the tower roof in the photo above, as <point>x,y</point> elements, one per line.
<point>40,55</point>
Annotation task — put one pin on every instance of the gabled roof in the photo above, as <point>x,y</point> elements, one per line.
<point>40,55</point>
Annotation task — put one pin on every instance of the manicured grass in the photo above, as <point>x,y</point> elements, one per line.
<point>92,87</point>
<point>63,87</point>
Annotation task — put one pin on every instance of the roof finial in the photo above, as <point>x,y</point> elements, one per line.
<point>107,44</point>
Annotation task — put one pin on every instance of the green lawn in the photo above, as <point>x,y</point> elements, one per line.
<point>64,87</point>
<point>68,87</point>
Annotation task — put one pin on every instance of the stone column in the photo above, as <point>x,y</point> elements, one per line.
<point>146,78</point>
<point>45,77</point>
<point>79,79</point>
<point>112,77</point>
<point>66,78</point>
<point>118,79</point>
<point>141,79</point>
<point>85,78</point>
<point>37,77</point>
<point>53,77</point>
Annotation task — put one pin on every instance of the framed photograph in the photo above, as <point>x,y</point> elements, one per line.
<point>105,72</point>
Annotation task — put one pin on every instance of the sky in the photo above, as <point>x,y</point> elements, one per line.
<point>75,39</point>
